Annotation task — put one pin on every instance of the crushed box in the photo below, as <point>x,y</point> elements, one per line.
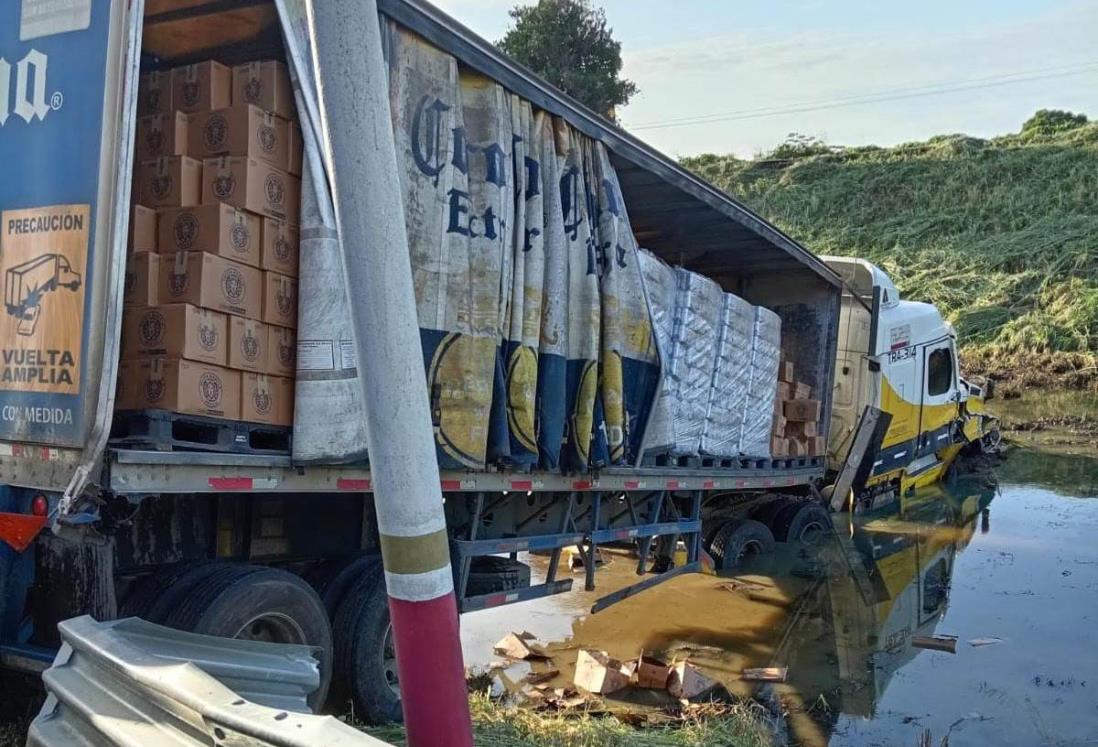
<point>279,300</point>
<point>241,130</point>
<point>211,282</point>
<point>186,387</point>
<point>266,399</point>
<point>201,87</point>
<point>214,228</point>
<point>249,345</point>
<point>172,181</point>
<point>253,185</point>
<point>266,85</point>
<point>175,331</point>
<point>142,284</point>
<point>281,243</point>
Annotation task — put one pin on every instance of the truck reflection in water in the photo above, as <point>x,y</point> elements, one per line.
<point>841,617</point>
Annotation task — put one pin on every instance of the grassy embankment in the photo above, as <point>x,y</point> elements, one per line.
<point>1001,234</point>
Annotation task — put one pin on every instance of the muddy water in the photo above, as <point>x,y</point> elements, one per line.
<point>1015,564</point>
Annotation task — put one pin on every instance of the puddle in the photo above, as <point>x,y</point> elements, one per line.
<point>1016,565</point>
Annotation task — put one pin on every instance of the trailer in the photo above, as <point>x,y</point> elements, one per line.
<point>242,543</point>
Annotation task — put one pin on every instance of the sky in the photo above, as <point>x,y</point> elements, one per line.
<point>736,76</point>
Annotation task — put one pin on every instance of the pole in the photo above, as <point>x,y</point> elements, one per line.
<point>362,164</point>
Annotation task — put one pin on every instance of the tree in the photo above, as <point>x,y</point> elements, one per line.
<point>1052,121</point>
<point>568,43</point>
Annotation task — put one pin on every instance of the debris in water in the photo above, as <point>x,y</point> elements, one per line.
<point>652,674</point>
<point>520,646</point>
<point>537,678</point>
<point>687,681</point>
<point>597,673</point>
<point>946,643</point>
<point>765,674</point>
<point>988,641</point>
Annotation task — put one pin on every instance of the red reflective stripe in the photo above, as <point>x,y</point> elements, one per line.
<point>451,484</point>
<point>581,484</point>
<point>19,530</point>
<point>632,484</point>
<point>672,484</point>
<point>347,483</point>
<point>231,483</point>
<point>709,484</point>
<point>522,485</point>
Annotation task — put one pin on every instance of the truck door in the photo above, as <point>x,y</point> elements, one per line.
<point>939,401</point>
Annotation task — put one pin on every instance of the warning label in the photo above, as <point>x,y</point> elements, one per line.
<point>43,260</point>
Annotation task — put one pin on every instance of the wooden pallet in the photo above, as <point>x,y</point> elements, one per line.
<point>161,430</point>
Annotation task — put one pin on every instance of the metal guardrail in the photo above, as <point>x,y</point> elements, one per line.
<point>130,683</point>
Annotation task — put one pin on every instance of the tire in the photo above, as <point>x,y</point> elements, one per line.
<point>366,662</point>
<point>491,575</point>
<point>158,594</point>
<point>264,604</point>
<point>334,578</point>
<point>805,523</point>
<point>738,541</point>
<point>766,513</point>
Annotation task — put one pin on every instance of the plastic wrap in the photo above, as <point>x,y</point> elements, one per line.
<point>660,288</point>
<point>766,352</point>
<point>731,376</point>
<point>693,357</point>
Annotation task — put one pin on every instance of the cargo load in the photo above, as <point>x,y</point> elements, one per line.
<point>766,351</point>
<point>728,390</point>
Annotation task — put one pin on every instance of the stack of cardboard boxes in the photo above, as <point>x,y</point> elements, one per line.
<point>796,418</point>
<point>211,289</point>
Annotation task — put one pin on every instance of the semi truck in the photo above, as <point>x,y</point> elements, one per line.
<point>252,543</point>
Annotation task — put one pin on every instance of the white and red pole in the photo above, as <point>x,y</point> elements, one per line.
<point>361,161</point>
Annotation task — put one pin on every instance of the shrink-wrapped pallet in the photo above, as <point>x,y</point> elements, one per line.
<point>660,289</point>
<point>694,354</point>
<point>766,352</point>
<point>731,376</point>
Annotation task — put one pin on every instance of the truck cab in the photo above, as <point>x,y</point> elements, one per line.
<point>900,356</point>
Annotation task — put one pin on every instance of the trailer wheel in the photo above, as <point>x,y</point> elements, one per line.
<point>739,542</point>
<point>334,578</point>
<point>365,653</point>
<point>805,523</point>
<point>766,513</point>
<point>158,594</point>
<point>491,574</point>
<point>260,604</point>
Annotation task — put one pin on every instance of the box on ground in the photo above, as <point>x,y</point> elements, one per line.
<point>279,300</point>
<point>281,243</point>
<point>253,185</point>
<point>243,130</point>
<point>249,344</point>
<point>211,282</point>
<point>142,286</point>
<point>173,181</point>
<point>161,135</point>
<point>214,228</point>
<point>154,94</point>
<point>142,230</point>
<point>186,387</point>
<point>202,86</point>
<point>266,399</point>
<point>175,331</point>
<point>282,355</point>
<point>802,410</point>
<point>266,85</point>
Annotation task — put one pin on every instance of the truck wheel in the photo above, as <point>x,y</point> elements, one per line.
<point>739,542</point>
<point>334,578</point>
<point>491,574</point>
<point>365,654</point>
<point>260,604</point>
<point>156,595</point>
<point>766,513</point>
<point>804,523</point>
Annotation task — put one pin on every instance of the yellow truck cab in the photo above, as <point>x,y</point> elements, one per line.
<point>901,357</point>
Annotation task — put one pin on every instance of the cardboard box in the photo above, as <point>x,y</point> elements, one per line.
<point>797,448</point>
<point>785,372</point>
<point>154,94</point>
<point>211,282</point>
<point>187,387</point>
<point>817,446</point>
<point>266,85</point>
<point>781,426</point>
<point>160,135</point>
<point>142,230</point>
<point>173,181</point>
<point>802,410</point>
<point>802,391</point>
<point>281,244</point>
<point>142,286</point>
<point>253,185</point>
<point>282,354</point>
<point>175,331</point>
<point>296,150</point>
<point>279,300</point>
<point>202,87</point>
<point>249,345</point>
<point>785,391</point>
<point>126,386</point>
<point>266,399</point>
<point>216,228</point>
<point>242,130</point>
<point>803,429</point>
<point>779,447</point>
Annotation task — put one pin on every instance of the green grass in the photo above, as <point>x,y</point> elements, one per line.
<point>1001,234</point>
<point>498,725</point>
